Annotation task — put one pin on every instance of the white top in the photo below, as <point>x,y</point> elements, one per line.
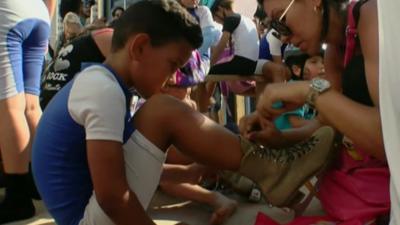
<point>245,39</point>
<point>205,16</point>
<point>98,103</point>
<point>389,92</point>
<point>275,44</point>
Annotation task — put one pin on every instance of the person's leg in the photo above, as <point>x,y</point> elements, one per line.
<point>14,142</point>
<point>222,205</point>
<point>34,48</point>
<point>22,62</point>
<point>181,181</point>
<point>164,120</point>
<point>173,122</point>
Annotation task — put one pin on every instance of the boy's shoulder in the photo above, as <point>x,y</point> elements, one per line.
<point>96,78</point>
<point>96,72</point>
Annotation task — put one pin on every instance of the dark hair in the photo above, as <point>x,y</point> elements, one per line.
<point>163,20</point>
<point>339,6</point>
<point>227,4</point>
<point>297,60</point>
<point>260,13</point>
<point>116,9</point>
<point>70,6</point>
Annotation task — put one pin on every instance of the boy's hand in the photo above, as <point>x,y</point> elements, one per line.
<point>260,130</point>
<point>248,124</point>
<point>268,135</point>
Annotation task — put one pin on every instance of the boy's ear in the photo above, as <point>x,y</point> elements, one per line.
<point>296,70</point>
<point>137,46</point>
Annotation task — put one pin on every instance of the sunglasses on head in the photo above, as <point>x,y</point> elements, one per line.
<point>281,29</point>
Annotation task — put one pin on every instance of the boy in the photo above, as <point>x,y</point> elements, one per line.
<point>84,172</point>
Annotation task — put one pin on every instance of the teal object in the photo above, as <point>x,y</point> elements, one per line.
<point>207,3</point>
<point>282,122</point>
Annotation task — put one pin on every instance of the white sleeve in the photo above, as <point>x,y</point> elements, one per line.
<point>274,44</point>
<point>98,103</point>
<point>205,16</point>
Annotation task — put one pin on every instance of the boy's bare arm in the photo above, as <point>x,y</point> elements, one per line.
<point>107,170</point>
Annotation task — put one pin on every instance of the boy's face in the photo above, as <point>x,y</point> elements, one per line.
<point>313,67</point>
<point>158,64</point>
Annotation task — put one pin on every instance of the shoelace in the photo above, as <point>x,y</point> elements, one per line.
<point>285,155</point>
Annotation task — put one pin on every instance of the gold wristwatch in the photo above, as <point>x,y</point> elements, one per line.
<point>317,87</point>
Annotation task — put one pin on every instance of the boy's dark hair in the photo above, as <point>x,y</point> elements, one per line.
<point>163,20</point>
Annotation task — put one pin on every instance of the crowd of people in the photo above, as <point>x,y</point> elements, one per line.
<point>116,125</point>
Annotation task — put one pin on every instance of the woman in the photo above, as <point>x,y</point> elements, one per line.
<point>360,175</point>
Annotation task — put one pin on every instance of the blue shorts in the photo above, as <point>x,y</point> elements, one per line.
<point>24,34</point>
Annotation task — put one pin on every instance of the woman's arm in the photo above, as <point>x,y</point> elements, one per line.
<point>363,126</point>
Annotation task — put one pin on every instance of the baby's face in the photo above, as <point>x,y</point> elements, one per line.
<point>313,67</point>
<point>158,64</point>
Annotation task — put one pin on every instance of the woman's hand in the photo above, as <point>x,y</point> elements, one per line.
<point>278,98</point>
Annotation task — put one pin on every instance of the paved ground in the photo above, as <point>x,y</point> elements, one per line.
<point>167,211</point>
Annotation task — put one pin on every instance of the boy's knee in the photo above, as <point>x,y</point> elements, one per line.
<point>165,105</point>
<point>161,109</point>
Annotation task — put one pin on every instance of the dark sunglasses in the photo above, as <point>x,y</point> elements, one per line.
<point>281,29</point>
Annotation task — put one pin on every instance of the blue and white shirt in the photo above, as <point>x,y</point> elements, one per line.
<point>93,106</point>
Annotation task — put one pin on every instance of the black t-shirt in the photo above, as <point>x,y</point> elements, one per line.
<point>231,23</point>
<point>67,64</point>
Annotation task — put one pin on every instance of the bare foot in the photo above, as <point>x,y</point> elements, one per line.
<point>224,207</point>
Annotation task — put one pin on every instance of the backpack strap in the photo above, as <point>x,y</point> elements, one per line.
<point>353,14</point>
<point>351,34</point>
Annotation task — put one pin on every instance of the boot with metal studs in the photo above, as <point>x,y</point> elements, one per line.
<point>279,173</point>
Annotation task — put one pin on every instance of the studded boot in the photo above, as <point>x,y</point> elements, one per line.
<point>279,173</point>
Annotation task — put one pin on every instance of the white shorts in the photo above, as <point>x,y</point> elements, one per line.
<point>260,65</point>
<point>143,167</point>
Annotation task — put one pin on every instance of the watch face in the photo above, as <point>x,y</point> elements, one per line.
<point>320,84</point>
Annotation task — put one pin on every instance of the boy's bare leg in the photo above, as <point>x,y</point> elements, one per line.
<point>164,120</point>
